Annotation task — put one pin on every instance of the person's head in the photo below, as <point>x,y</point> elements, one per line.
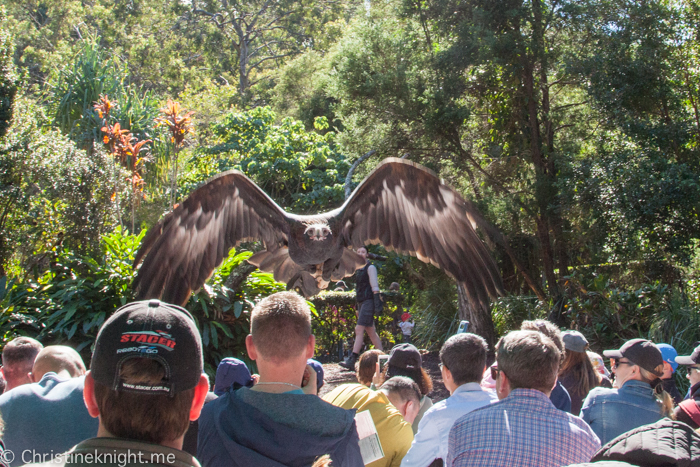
<point>231,371</point>
<point>637,359</point>
<point>280,336</point>
<point>669,354</point>
<point>463,359</point>
<point>367,365</point>
<point>526,360</point>
<point>18,359</point>
<point>692,362</point>
<point>394,287</point>
<point>405,316</point>
<point>60,359</point>
<point>405,360</point>
<point>640,360</point>
<point>404,394</point>
<point>577,363</point>
<point>146,379</point>
<point>547,328</point>
<point>362,251</point>
<point>597,362</point>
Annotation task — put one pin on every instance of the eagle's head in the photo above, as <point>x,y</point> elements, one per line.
<point>318,232</point>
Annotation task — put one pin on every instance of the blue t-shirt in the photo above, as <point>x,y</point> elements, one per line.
<point>48,417</point>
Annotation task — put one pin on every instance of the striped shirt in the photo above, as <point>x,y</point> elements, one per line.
<point>524,429</point>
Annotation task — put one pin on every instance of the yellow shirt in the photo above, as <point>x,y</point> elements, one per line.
<point>395,434</point>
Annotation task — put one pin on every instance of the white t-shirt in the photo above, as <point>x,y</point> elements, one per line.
<point>406,327</point>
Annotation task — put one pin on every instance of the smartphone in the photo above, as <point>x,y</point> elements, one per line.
<point>463,326</point>
<point>382,361</point>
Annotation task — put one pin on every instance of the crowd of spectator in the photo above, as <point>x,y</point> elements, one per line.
<point>546,400</point>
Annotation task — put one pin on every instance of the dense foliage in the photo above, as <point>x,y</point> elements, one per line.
<point>573,125</point>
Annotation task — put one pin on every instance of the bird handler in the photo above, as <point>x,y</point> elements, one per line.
<point>369,302</point>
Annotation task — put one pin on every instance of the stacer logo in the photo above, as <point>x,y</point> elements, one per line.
<point>158,338</point>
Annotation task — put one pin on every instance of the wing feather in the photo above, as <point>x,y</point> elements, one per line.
<point>182,250</point>
<point>406,208</point>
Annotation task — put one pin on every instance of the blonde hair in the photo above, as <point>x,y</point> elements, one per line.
<point>657,386</point>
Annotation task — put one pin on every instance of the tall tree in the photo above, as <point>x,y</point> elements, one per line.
<point>262,33</point>
<point>8,76</point>
<point>482,92</point>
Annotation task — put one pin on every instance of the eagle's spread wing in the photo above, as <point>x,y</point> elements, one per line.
<point>406,208</point>
<point>190,242</point>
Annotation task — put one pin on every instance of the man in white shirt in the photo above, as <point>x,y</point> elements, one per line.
<point>463,360</point>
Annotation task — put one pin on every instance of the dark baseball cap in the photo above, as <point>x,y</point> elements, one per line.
<point>640,352</point>
<point>405,356</point>
<point>318,368</point>
<point>229,372</point>
<point>692,359</point>
<point>149,329</point>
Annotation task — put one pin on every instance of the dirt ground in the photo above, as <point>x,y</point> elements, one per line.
<point>335,375</point>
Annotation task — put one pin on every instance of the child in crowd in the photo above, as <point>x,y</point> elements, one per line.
<point>406,327</point>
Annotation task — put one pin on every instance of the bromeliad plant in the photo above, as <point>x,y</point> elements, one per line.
<point>126,150</point>
<point>179,127</point>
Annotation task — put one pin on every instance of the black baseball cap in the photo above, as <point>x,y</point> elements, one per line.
<point>692,359</point>
<point>150,329</point>
<point>640,352</point>
<point>405,356</point>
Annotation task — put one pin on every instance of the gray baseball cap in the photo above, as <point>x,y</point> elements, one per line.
<point>574,341</point>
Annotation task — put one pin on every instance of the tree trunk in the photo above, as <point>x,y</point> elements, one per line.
<point>243,69</point>
<point>480,321</point>
<point>544,189</point>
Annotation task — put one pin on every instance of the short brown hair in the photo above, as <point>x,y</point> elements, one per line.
<point>404,387</point>
<point>281,326</point>
<point>529,359</point>
<point>19,354</point>
<point>155,418</point>
<point>367,365</point>
<point>464,354</point>
<point>547,328</point>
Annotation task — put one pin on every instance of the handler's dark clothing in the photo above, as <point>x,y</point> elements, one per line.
<point>365,314</point>
<point>364,295</point>
<point>363,291</point>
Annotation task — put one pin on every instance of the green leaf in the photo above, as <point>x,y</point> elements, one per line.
<point>237,309</point>
<point>224,328</point>
<point>214,335</point>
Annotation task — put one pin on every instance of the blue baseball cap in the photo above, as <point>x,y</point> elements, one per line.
<point>230,371</point>
<point>669,355</point>
<point>318,368</point>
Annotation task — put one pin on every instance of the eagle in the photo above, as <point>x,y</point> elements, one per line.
<point>401,205</point>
